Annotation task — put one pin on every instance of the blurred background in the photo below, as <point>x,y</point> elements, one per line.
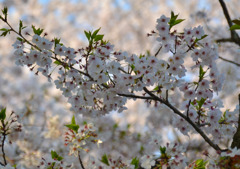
<point>125,23</point>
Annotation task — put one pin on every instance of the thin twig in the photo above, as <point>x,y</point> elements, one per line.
<point>158,51</point>
<point>234,36</point>
<point>189,103</point>
<point>3,141</point>
<point>80,160</point>
<point>136,96</point>
<point>167,95</point>
<point>237,64</point>
<point>236,137</point>
<point>224,40</point>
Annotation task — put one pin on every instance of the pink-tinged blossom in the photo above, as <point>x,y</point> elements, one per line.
<point>132,59</point>
<point>18,44</point>
<point>37,39</point>
<point>198,32</point>
<point>60,50</point>
<point>156,139</point>
<point>214,115</point>
<point>163,20</point>
<point>162,65</point>
<point>178,59</point>
<point>45,44</point>
<point>204,84</point>
<point>163,28</point>
<point>192,113</point>
<point>228,131</point>
<point>189,94</point>
<point>147,161</point>
<point>70,53</point>
<point>188,33</point>
<point>113,67</point>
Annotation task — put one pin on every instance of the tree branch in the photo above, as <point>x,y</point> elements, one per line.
<point>234,36</point>
<point>80,160</point>
<point>176,111</point>
<point>136,96</point>
<point>236,137</point>
<point>237,64</point>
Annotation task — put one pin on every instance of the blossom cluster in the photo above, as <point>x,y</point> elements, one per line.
<point>83,137</point>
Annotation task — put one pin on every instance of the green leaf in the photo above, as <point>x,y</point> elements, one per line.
<point>74,127</point>
<point>142,55</point>
<point>95,33</point>
<point>235,27</point>
<point>5,31</point>
<point>55,156</point>
<point>139,136</point>
<point>115,126</point>
<point>87,34</point>
<point>177,22</point>
<point>135,162</point>
<point>200,164</point>
<point>105,159</point>
<point>5,11</point>
<point>122,134</point>
<point>20,39</point>
<point>3,114</point>
<point>204,36</point>
<point>156,88</point>
<point>132,66</point>
<point>59,63</point>
<point>141,150</point>
<point>236,21</point>
<point>173,20</point>
<point>201,102</point>
<point>201,73</point>
<point>38,31</point>
<point>196,40</point>
<point>162,150</point>
<point>98,37</point>
<point>73,120</point>
<point>21,27</point>
<point>56,41</point>
<point>173,17</point>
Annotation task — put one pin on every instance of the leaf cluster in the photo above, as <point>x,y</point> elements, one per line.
<point>173,20</point>
<point>73,126</point>
<point>237,24</point>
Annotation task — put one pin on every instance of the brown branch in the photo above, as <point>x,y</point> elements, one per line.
<point>176,111</point>
<point>80,160</point>
<point>236,137</point>
<point>237,64</point>
<point>234,36</point>
<point>224,40</point>
<point>158,51</point>
<point>3,141</point>
<point>136,96</point>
